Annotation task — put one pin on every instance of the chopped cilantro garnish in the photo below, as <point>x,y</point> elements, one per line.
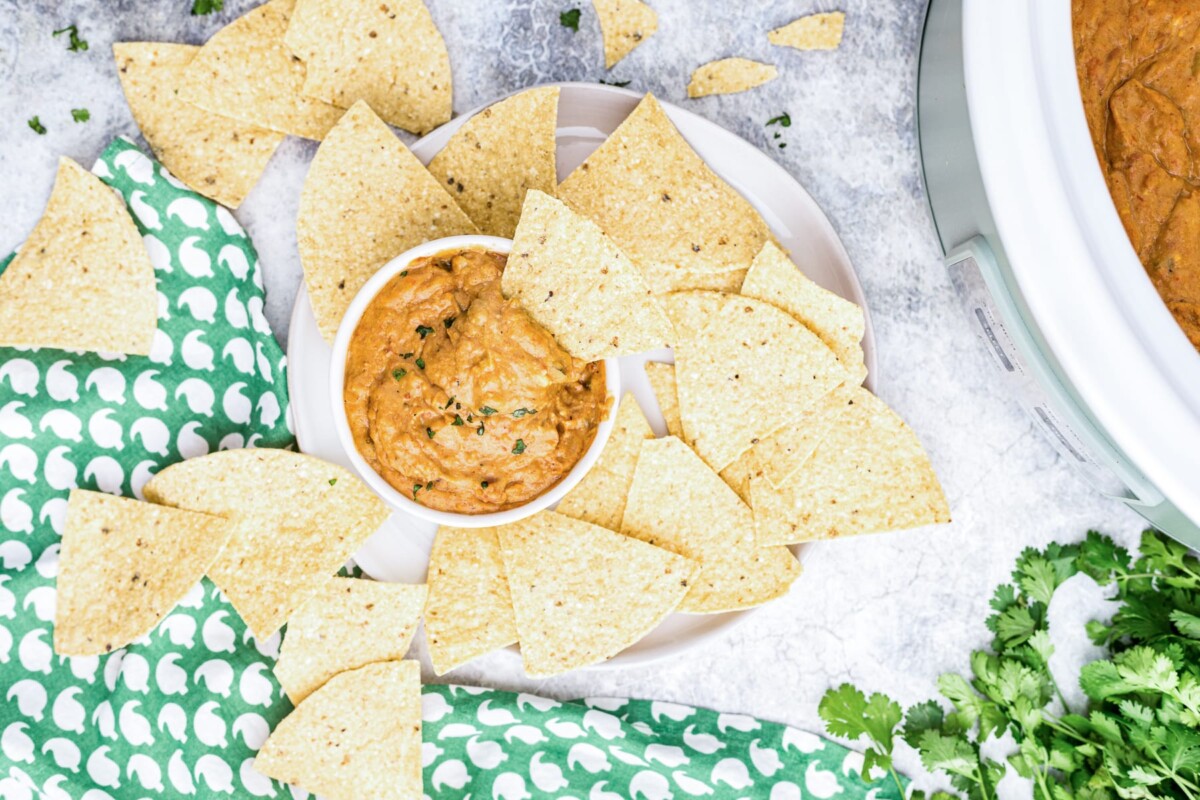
<point>519,447</point>
<point>80,114</point>
<point>420,363</point>
<point>487,411</point>
<point>570,19</point>
<point>448,321</point>
<point>406,355</point>
<point>202,7</point>
<point>479,430</point>
<point>457,421</point>
<point>483,484</point>
<point>333,481</point>
<point>399,373</point>
<point>37,126</point>
<point>429,486</point>
<point>403,273</point>
<point>76,45</point>
<point>449,403</point>
<point>429,432</point>
<point>416,488</point>
<point>424,330</point>
<point>782,145</point>
<point>784,120</point>
<point>520,412</point>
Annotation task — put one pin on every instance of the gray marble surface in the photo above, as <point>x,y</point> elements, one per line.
<point>887,612</point>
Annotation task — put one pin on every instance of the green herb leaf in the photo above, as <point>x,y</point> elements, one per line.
<point>519,447</point>
<point>447,322</point>
<point>449,403</point>
<point>37,126</point>
<point>424,330</point>
<point>420,363</point>
<point>784,120</point>
<point>487,411</point>
<point>399,373</point>
<point>483,484</point>
<point>479,430</point>
<point>521,412</point>
<point>202,7</point>
<point>458,421</point>
<point>429,432</point>
<point>416,488</point>
<point>570,19</point>
<point>80,114</point>
<point>76,43</point>
<point>333,481</point>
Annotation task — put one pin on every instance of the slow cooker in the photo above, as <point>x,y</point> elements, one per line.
<point>1037,253</point>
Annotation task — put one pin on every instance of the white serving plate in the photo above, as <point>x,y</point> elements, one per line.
<point>587,114</point>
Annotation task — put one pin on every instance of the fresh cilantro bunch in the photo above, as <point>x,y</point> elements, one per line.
<point>1138,738</point>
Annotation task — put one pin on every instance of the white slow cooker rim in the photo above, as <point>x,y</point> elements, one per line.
<point>1077,272</point>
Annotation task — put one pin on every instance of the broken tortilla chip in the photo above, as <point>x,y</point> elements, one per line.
<point>347,624</point>
<point>729,75</point>
<point>246,72</point>
<point>124,565</point>
<point>657,199</point>
<point>577,284</point>
<point>582,593</point>
<point>469,611</point>
<point>814,32</point>
<point>839,323</point>
<point>219,157</point>
<point>498,155</point>
<point>869,475</point>
<point>357,736</point>
<point>366,199</point>
<point>83,279</point>
<point>678,503</point>
<point>662,383</point>
<point>624,24</point>
<point>600,497</point>
<point>389,54</point>
<point>743,369</point>
<point>297,519</point>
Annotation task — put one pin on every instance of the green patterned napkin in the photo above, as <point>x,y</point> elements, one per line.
<point>182,711</point>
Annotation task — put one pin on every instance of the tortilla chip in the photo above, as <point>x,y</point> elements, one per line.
<point>83,279</point>
<point>578,285</point>
<point>869,475</point>
<point>347,624</point>
<point>245,72</point>
<point>389,54</point>
<point>662,383</point>
<point>729,75</point>
<point>216,156</point>
<point>357,736</point>
<point>624,24</point>
<point>741,472</point>
<point>662,205</point>
<point>366,200</point>
<point>469,612</point>
<point>839,323</point>
<point>498,155</point>
<point>297,519</point>
<point>582,593</point>
<point>123,566</point>
<point>678,503</point>
<point>814,32</point>
<point>600,497</point>
<point>744,368</point>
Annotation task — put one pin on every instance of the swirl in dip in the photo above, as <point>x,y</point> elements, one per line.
<point>457,398</point>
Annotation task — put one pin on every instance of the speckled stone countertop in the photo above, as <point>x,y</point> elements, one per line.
<point>887,612</point>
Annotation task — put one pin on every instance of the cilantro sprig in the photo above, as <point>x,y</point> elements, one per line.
<point>570,19</point>
<point>1139,735</point>
<point>75,42</point>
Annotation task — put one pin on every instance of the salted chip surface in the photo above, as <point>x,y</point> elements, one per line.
<point>662,383</point>
<point>838,322</point>
<point>577,284</point>
<point>656,198</point>
<point>600,497</point>
<point>729,75</point>
<point>624,24</point>
<point>83,279</point>
<point>347,624</point>
<point>582,593</point>
<point>743,368</point>
<point>297,519</point>
<point>469,611</point>
<point>219,157</point>
<point>247,73</point>
<point>389,54</point>
<point>813,32</point>
<point>498,155</point>
<point>678,503</point>
<point>357,736</point>
<point>366,199</point>
<point>123,566</point>
<point>869,475</point>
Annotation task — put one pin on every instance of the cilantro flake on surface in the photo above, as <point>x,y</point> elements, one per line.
<point>80,114</point>
<point>76,44</point>
<point>519,447</point>
<point>784,120</point>
<point>570,19</point>
<point>202,7</point>
<point>37,126</point>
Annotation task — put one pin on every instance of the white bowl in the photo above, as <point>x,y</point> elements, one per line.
<point>390,495</point>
